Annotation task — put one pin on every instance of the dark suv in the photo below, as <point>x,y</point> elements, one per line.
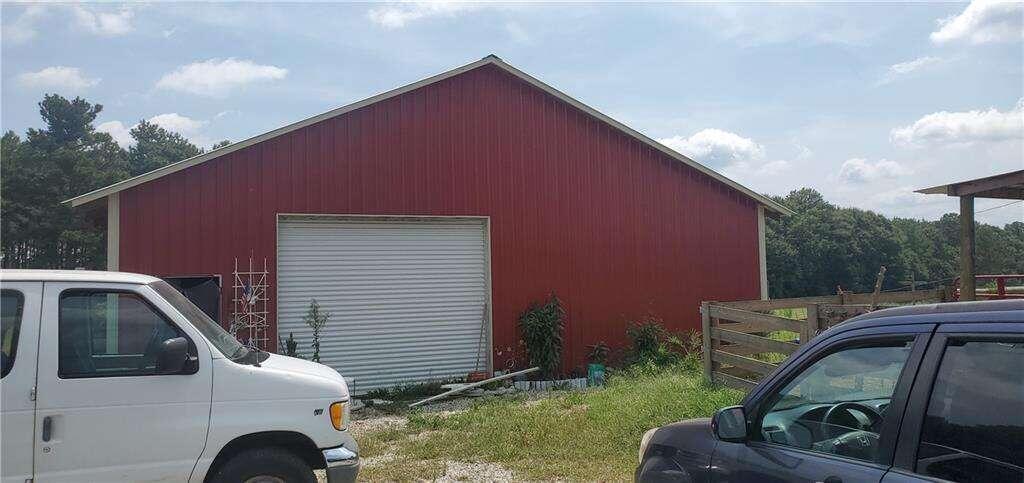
<point>919,393</point>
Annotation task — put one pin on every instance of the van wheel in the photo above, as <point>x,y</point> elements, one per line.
<point>265,465</point>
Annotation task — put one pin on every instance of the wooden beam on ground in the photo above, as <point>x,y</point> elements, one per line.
<point>467,387</point>
<point>762,343</point>
<point>967,248</point>
<point>765,322</point>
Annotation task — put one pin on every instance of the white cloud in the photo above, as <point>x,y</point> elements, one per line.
<point>983,21</point>
<point>217,77</point>
<point>399,15</point>
<point>904,68</point>
<point>23,28</point>
<point>716,148</point>
<point>952,128</point>
<point>104,23</point>
<point>727,152</point>
<point>172,121</point>
<point>58,77</point>
<point>122,134</point>
<point>860,170</point>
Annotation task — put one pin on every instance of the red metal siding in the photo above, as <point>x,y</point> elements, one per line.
<point>615,228</point>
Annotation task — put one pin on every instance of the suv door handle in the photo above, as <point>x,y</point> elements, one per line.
<point>47,428</point>
<point>833,479</point>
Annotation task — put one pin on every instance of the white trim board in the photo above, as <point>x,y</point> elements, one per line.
<point>489,60</point>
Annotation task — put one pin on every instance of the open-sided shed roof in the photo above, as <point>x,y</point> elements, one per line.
<point>101,193</point>
<point>1008,186</point>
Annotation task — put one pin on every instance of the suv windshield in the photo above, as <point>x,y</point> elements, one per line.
<point>220,338</point>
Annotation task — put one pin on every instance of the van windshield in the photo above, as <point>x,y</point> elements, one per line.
<point>220,338</point>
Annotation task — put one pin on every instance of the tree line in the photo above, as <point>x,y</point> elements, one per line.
<point>823,248</point>
<point>820,248</point>
<point>66,158</point>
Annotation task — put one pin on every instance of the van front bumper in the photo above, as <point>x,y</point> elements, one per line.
<point>342,464</point>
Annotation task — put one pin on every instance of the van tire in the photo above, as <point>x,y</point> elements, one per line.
<point>271,462</point>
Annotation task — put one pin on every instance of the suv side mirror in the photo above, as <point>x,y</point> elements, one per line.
<point>730,424</point>
<point>172,356</point>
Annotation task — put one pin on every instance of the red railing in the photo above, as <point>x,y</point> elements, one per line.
<point>987,294</point>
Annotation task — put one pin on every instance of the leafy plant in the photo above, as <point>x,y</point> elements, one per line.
<point>599,353</point>
<point>541,326</point>
<point>316,319</point>
<point>650,343</point>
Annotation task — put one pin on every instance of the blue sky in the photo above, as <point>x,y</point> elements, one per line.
<point>862,102</point>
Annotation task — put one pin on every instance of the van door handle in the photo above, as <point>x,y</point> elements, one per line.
<point>47,428</point>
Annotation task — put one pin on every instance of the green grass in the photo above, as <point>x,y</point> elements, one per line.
<point>583,435</point>
<point>798,313</point>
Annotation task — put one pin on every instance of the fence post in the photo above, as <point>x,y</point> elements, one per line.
<point>705,326</point>
<point>812,325</point>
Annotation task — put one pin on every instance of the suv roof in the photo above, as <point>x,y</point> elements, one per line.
<point>74,276</point>
<point>959,312</point>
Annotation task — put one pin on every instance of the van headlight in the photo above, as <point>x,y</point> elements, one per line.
<point>644,441</point>
<point>340,415</point>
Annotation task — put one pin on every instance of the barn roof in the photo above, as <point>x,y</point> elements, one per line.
<point>91,196</point>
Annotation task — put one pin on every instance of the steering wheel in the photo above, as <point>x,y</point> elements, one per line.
<point>833,430</point>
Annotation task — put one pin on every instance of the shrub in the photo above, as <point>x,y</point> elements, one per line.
<point>599,353</point>
<point>541,326</point>
<point>650,343</point>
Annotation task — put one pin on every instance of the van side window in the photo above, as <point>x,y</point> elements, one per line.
<point>975,421</point>
<point>106,334</point>
<point>12,303</point>
<point>837,404</point>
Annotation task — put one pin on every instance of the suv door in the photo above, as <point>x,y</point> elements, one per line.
<point>965,418</point>
<point>19,335</point>
<point>830,415</point>
<point>103,411</point>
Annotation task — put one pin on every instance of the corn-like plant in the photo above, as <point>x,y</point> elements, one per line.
<point>316,319</point>
<point>541,326</point>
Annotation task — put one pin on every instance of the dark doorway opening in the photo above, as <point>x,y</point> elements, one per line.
<point>203,291</point>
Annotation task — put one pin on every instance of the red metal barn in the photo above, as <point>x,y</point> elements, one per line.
<point>427,218</point>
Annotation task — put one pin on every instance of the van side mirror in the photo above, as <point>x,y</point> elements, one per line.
<point>172,356</point>
<point>730,424</point>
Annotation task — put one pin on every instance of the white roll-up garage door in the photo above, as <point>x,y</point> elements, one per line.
<point>406,296</point>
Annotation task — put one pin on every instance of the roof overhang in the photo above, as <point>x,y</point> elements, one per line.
<point>1008,186</point>
<point>774,207</point>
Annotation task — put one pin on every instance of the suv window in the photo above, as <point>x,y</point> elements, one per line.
<point>12,303</point>
<point>103,334</point>
<point>837,404</point>
<point>975,423</point>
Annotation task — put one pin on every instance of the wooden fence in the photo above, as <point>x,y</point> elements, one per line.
<point>743,342</point>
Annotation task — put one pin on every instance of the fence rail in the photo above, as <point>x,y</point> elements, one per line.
<point>743,343</point>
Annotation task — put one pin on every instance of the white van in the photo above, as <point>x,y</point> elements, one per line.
<point>118,377</point>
